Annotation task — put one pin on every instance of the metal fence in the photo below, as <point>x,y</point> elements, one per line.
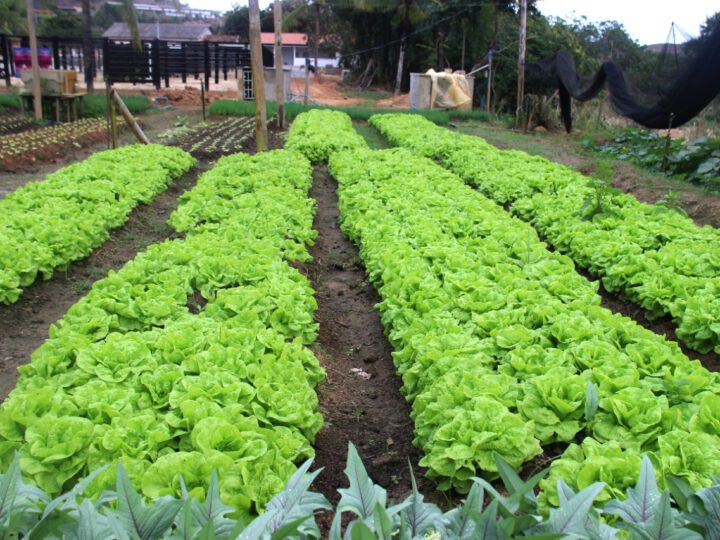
<point>156,63</point>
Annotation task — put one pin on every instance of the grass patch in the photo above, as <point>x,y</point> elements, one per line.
<point>372,136</point>
<point>9,101</point>
<point>95,105</point>
<point>227,107</point>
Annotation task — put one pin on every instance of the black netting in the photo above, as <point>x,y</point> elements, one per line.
<point>690,93</point>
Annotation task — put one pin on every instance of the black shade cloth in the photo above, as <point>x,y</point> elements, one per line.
<point>691,92</point>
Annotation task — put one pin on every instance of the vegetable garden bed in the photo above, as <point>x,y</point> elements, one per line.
<point>14,123</point>
<point>46,225</point>
<point>657,257</point>
<point>19,151</point>
<point>195,357</point>
<point>168,385</point>
<point>213,139</point>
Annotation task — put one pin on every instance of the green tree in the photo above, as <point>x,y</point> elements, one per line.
<point>12,17</point>
<point>60,24</point>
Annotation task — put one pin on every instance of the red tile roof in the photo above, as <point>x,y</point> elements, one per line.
<point>288,38</point>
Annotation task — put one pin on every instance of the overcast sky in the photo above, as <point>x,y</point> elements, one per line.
<point>647,21</point>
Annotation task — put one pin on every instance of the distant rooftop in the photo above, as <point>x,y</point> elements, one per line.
<point>162,31</point>
<point>288,38</point>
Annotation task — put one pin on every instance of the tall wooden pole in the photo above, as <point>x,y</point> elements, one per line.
<point>317,36</point>
<point>37,96</point>
<point>88,49</point>
<point>489,81</point>
<point>521,62</point>
<point>258,78</point>
<point>279,71</point>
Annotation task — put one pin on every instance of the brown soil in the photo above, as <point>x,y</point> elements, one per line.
<point>360,399</point>
<point>29,161</point>
<point>701,206</point>
<point>11,122</point>
<point>225,131</point>
<point>24,324</point>
<point>153,123</point>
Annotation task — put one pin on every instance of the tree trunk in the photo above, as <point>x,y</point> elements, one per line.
<point>279,72</point>
<point>403,44</point>
<point>317,36</point>
<point>521,63</point>
<point>35,64</point>
<point>398,78</point>
<point>258,78</point>
<point>88,49</point>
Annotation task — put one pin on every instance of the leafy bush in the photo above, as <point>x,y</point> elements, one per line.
<point>10,101</point>
<point>698,159</point>
<point>95,105</point>
<point>502,346</point>
<point>655,256</point>
<point>46,225</point>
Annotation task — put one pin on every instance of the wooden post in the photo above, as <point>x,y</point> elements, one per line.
<point>37,96</point>
<point>306,95</point>
<point>399,74</point>
<point>317,37</point>
<point>521,63</point>
<point>111,116</point>
<point>258,78</point>
<point>464,39</point>
<point>489,82</point>
<point>279,71</point>
<point>88,47</point>
<point>6,60</point>
<point>129,120</point>
<point>202,98</point>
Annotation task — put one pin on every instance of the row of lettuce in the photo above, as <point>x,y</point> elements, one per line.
<point>502,347</point>
<point>192,358</point>
<point>46,225</point>
<point>656,257</point>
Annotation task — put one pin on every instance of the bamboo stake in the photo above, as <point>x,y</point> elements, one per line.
<point>129,119</point>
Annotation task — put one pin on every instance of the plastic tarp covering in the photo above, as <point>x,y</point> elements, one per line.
<point>449,90</point>
<point>691,92</point>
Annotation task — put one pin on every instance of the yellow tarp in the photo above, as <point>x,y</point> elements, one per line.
<point>449,90</point>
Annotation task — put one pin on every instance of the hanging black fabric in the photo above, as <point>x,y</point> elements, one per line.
<point>691,92</point>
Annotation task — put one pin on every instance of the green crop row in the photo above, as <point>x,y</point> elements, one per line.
<point>46,225</point>
<point>503,348</point>
<point>320,132</point>
<point>191,358</point>
<point>655,256</point>
<point>227,107</point>
<point>95,105</point>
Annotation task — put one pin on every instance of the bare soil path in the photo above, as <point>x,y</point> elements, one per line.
<point>360,399</point>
